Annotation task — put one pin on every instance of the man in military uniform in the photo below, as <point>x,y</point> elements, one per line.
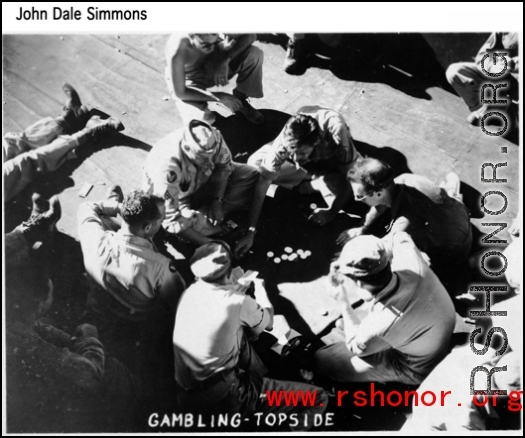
<point>216,368</point>
<point>408,320</point>
<point>201,184</point>
<point>314,151</point>
<point>131,277</point>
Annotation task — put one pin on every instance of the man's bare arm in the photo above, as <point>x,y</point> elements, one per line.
<point>178,79</point>
<point>322,216</point>
<point>370,218</point>
<point>237,44</point>
<point>178,76</point>
<point>259,193</point>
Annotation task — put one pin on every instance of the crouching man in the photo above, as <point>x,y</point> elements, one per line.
<point>216,369</point>
<point>409,320</point>
<point>201,184</point>
<point>313,152</point>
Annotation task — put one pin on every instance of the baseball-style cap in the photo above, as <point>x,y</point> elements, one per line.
<point>363,256</point>
<point>211,261</point>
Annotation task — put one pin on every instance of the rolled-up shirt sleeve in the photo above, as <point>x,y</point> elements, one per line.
<point>369,338</point>
<point>277,154</point>
<point>90,226</point>
<point>345,151</point>
<point>254,316</point>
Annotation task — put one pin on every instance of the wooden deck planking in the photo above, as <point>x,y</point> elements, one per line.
<point>431,134</point>
<point>129,84</point>
<point>145,48</point>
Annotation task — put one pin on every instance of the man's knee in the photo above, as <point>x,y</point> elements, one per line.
<point>248,172</point>
<point>453,72</point>
<point>254,55</point>
<point>255,160</point>
<point>259,155</point>
<point>332,358</point>
<point>322,359</point>
<point>461,72</point>
<point>194,110</point>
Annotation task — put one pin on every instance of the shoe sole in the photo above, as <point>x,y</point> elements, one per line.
<point>73,96</point>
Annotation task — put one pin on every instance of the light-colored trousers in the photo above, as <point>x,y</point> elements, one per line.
<point>338,363</point>
<point>467,79</point>
<point>41,148</point>
<point>247,65</point>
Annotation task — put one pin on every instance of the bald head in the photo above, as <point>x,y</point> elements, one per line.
<point>373,174</point>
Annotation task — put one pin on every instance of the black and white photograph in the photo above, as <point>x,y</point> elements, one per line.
<point>309,225</point>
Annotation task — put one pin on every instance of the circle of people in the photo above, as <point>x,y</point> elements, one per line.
<point>192,183</point>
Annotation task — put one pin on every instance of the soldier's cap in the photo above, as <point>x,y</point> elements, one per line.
<point>200,138</point>
<point>363,256</point>
<point>211,261</point>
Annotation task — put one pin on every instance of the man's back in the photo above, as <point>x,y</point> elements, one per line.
<point>128,267</point>
<point>426,315</point>
<point>437,221</point>
<point>208,333</point>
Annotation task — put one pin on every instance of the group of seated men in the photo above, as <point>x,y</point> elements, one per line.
<point>189,186</point>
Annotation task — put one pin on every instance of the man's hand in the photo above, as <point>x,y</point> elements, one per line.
<point>231,102</point>
<point>243,245</point>
<point>322,216</point>
<point>228,44</point>
<point>220,74</point>
<point>85,330</point>
<point>348,235</point>
<point>215,212</point>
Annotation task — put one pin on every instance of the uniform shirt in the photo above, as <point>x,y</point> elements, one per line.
<point>172,175</point>
<point>336,143</point>
<point>413,315</point>
<point>437,223</point>
<point>129,267</point>
<point>209,329</point>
